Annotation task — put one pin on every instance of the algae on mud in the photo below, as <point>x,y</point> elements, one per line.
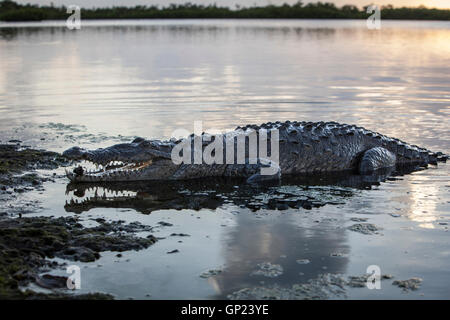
<point>15,158</point>
<point>26,243</point>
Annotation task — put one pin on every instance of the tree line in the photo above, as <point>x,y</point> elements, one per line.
<point>12,11</point>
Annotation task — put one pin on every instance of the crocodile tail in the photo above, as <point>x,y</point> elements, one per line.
<point>412,154</point>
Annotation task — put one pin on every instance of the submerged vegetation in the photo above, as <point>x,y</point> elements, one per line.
<point>12,11</point>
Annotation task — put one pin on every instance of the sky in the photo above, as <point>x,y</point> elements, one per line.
<point>232,3</point>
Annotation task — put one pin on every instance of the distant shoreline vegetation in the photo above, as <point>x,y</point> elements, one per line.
<point>12,11</point>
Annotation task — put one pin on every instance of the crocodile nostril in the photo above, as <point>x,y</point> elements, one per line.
<point>78,171</point>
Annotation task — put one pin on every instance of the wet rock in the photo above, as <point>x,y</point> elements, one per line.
<point>359,219</point>
<point>268,269</point>
<point>306,205</point>
<point>173,251</point>
<point>302,261</point>
<point>49,281</point>
<point>180,235</point>
<point>79,254</point>
<point>364,228</point>
<point>165,224</point>
<point>282,206</point>
<point>361,281</point>
<point>210,273</point>
<point>410,284</point>
<point>338,254</point>
<point>357,281</point>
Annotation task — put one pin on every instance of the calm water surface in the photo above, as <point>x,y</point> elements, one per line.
<point>114,80</point>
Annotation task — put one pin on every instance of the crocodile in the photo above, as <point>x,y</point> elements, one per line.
<point>303,148</point>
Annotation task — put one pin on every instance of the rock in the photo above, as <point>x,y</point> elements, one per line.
<point>338,254</point>
<point>49,281</point>
<point>307,205</point>
<point>173,251</point>
<point>361,281</point>
<point>180,235</point>
<point>359,219</point>
<point>410,284</point>
<point>302,261</point>
<point>357,281</point>
<point>80,254</point>
<point>210,273</point>
<point>268,269</point>
<point>282,206</point>
<point>364,228</point>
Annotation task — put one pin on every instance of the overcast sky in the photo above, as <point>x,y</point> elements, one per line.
<point>232,3</point>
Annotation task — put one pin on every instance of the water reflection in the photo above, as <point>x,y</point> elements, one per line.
<point>304,252</point>
<point>294,192</point>
<point>155,76</point>
<point>282,241</point>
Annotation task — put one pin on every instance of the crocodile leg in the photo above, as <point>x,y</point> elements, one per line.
<point>256,171</point>
<point>376,158</point>
<point>267,171</point>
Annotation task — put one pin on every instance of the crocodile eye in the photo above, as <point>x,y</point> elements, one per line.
<point>145,143</point>
<point>138,139</point>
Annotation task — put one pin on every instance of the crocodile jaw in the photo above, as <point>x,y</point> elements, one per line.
<point>158,169</point>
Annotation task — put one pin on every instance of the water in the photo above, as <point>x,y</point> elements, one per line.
<point>113,80</point>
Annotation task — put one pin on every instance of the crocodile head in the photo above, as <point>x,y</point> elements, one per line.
<point>139,160</point>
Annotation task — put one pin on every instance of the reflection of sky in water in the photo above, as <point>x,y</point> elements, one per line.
<point>154,77</point>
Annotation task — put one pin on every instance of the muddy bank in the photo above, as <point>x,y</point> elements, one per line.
<point>16,159</point>
<point>27,243</point>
